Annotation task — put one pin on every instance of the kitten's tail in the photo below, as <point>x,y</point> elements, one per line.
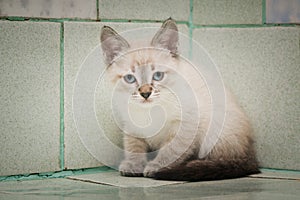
<point>206,170</point>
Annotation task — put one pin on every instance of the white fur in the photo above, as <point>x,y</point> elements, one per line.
<point>181,118</point>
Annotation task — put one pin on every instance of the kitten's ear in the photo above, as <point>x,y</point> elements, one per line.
<point>112,44</point>
<point>167,36</point>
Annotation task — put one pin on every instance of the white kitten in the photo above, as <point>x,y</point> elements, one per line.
<point>165,111</point>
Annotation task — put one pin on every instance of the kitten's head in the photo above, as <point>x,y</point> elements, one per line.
<point>143,73</point>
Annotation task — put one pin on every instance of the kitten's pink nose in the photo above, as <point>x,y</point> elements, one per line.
<point>145,91</point>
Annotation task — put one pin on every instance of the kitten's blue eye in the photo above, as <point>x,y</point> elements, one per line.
<point>158,76</point>
<point>129,78</point>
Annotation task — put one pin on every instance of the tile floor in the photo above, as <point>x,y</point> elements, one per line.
<point>109,185</point>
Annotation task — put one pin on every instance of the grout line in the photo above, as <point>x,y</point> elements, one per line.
<point>281,170</point>
<point>243,25</point>
<point>58,174</point>
<point>98,11</point>
<point>191,13</point>
<point>273,177</point>
<point>189,23</point>
<point>264,11</point>
<point>37,19</point>
<point>74,172</point>
<point>191,28</point>
<point>139,21</point>
<point>14,18</point>
<point>89,181</point>
<point>62,127</point>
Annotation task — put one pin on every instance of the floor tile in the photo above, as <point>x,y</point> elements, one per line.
<point>115,179</point>
<point>91,187</point>
<point>55,189</point>
<point>278,174</point>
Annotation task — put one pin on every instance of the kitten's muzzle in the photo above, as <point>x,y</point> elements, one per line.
<point>145,91</point>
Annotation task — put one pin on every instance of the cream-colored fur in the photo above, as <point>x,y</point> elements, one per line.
<point>180,120</point>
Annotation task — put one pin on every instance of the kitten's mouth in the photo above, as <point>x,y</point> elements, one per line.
<point>143,101</point>
<point>147,101</point>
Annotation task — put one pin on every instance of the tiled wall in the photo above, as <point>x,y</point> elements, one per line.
<point>43,44</point>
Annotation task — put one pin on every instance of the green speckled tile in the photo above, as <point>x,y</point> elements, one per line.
<point>261,66</point>
<point>50,8</point>
<point>29,97</point>
<point>209,12</point>
<point>144,10</point>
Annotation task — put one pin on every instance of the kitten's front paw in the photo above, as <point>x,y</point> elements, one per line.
<point>130,168</point>
<point>151,169</point>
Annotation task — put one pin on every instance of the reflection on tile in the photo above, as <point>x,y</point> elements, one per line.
<point>55,189</point>
<point>29,97</point>
<point>242,189</point>
<point>49,8</point>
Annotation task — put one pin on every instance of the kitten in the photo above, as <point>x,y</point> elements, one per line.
<point>165,111</point>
